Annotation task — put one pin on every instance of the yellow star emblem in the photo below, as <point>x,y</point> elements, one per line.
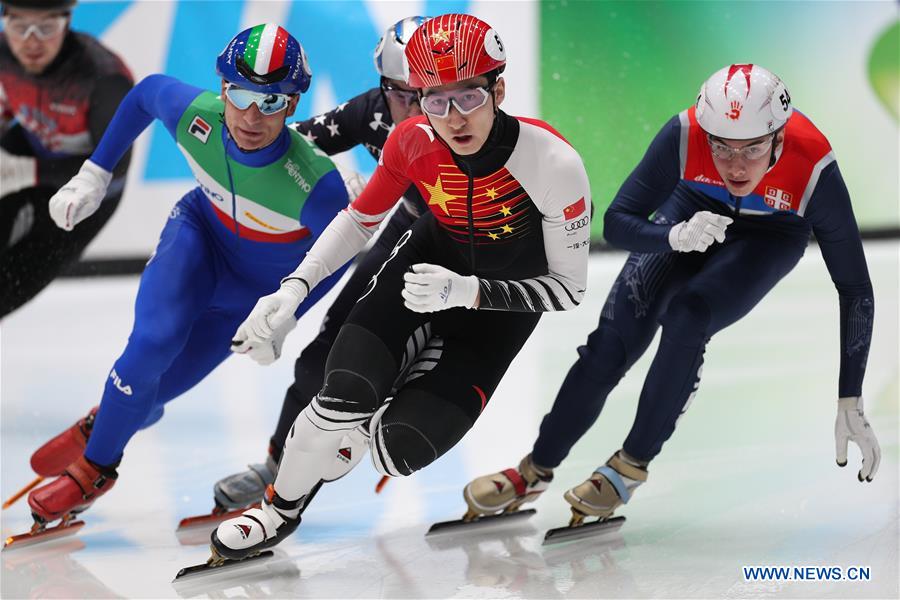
<point>505,211</point>
<point>493,236</point>
<point>441,35</point>
<point>491,193</point>
<point>437,195</point>
<point>507,229</point>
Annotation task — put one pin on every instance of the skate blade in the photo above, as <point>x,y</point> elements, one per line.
<point>23,540</point>
<point>197,571</point>
<point>194,531</point>
<point>480,522</point>
<point>597,528</point>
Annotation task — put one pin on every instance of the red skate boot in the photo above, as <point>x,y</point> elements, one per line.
<point>69,494</point>
<point>51,459</point>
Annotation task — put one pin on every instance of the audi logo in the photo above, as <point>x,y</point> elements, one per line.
<point>575,225</point>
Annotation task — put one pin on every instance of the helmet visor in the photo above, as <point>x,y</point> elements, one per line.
<point>268,104</point>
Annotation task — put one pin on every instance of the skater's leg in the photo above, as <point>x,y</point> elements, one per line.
<point>310,365</point>
<point>441,401</point>
<point>733,280</point>
<point>33,250</point>
<point>175,287</point>
<point>627,325</point>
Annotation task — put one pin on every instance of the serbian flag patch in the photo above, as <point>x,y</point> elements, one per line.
<point>575,209</point>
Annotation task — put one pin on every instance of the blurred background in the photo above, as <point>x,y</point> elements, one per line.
<point>606,74</point>
<point>749,477</point>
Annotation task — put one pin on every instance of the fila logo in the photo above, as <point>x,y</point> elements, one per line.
<point>117,381</point>
<point>199,129</point>
<point>778,199</point>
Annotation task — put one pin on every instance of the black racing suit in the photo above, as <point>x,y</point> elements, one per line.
<point>365,120</point>
<point>57,118</point>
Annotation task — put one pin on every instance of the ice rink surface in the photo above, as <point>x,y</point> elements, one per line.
<point>748,479</point>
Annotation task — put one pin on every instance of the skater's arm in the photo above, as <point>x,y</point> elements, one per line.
<point>352,227</point>
<point>327,199</point>
<point>155,97</point>
<point>339,129</point>
<point>108,92</point>
<point>626,223</point>
<point>566,228</point>
<point>830,213</point>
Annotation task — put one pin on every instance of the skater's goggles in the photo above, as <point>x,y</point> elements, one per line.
<point>753,151</point>
<point>466,101</point>
<point>268,104</point>
<point>43,29</point>
<point>405,97</point>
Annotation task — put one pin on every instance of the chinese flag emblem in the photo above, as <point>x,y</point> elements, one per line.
<point>575,209</point>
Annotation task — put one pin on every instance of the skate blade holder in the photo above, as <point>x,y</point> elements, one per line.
<point>579,532</point>
<point>194,531</point>
<point>480,523</point>
<point>196,573</point>
<point>24,540</point>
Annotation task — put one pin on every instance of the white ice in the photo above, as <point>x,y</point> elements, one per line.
<point>749,477</point>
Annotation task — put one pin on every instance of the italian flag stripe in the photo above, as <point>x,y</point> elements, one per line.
<point>278,49</point>
<point>251,50</point>
<point>264,49</point>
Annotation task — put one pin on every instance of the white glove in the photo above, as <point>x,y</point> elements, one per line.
<point>430,288</point>
<point>353,181</point>
<point>263,352</point>
<point>698,233</point>
<point>16,172</point>
<point>80,197</point>
<point>851,425</point>
<point>270,315</point>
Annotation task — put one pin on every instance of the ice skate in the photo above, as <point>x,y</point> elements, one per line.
<point>62,499</point>
<point>51,459</point>
<point>500,495</point>
<point>249,535</point>
<point>608,488</point>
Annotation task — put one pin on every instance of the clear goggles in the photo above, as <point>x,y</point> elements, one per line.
<point>755,151</point>
<point>43,29</point>
<point>466,101</point>
<point>268,104</point>
<point>405,97</point>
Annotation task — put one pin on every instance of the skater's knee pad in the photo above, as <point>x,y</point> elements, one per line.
<point>687,319</point>
<point>604,357</point>
<point>414,430</point>
<point>358,373</point>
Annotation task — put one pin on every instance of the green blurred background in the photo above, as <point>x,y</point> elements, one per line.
<point>612,73</point>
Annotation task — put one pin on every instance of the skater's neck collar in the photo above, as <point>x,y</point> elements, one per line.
<point>257,158</point>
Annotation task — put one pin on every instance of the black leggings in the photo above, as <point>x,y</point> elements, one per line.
<point>693,296</point>
<point>309,367</point>
<point>33,250</point>
<point>444,388</point>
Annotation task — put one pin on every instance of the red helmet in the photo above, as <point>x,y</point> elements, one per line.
<point>452,48</point>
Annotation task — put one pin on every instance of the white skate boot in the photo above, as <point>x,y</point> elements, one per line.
<point>258,528</point>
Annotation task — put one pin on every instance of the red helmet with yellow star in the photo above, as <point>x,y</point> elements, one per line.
<point>451,48</point>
